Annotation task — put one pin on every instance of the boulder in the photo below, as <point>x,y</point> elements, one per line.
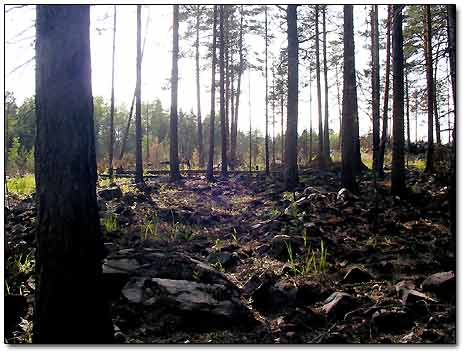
<point>338,304</point>
<point>443,284</point>
<point>110,193</point>
<point>225,259</point>
<point>391,322</point>
<point>280,244</point>
<point>356,275</point>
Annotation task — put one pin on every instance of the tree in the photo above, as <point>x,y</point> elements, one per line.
<point>138,103</point>
<point>291,165</point>
<point>326,142</point>
<point>111,127</point>
<point>383,140</point>
<point>267,97</point>
<point>222,93</point>
<point>173,149</point>
<point>201,157</point>
<point>209,171</point>
<point>428,69</point>
<point>375,77</point>
<point>349,107</point>
<point>397,177</point>
<point>322,163</point>
<point>70,306</point>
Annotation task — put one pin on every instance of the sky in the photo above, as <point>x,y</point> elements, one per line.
<point>156,65</point>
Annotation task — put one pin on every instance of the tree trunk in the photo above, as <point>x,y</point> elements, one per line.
<point>147,131</point>
<point>406,92</point>
<point>232,109</point>
<point>266,139</point>
<point>273,115</point>
<point>398,177</point>
<point>428,68</point>
<point>326,143</point>
<point>318,87</point>
<point>375,76</point>
<point>226,75</point>
<point>201,157</point>
<point>70,305</point>
<point>383,141</point>
<point>349,99</point>
<point>209,171</point>
<point>111,141</point>
<point>222,93</point>
<point>310,117</point>
<point>435,102</point>
<point>249,113</point>
<point>282,127</point>
<point>291,146</point>
<point>339,102</point>
<point>138,103</point>
<point>233,146</point>
<point>173,150</point>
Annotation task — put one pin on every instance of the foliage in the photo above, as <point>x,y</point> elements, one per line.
<point>110,223</point>
<point>24,185</point>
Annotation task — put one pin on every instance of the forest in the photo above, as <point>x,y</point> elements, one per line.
<point>230,174</point>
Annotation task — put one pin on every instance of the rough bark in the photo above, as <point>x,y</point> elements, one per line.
<point>375,79</point>
<point>291,149</point>
<point>406,92</point>
<point>111,126</point>
<point>209,171</point>
<point>222,99</point>
<point>326,143</point>
<point>349,98</point>
<point>69,303</point>
<point>201,157</point>
<point>322,163</point>
<point>397,175</point>
<point>428,69</point>
<point>138,102</point>
<point>226,75</point>
<point>173,150</point>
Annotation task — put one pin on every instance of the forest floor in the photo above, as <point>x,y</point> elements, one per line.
<point>241,261</point>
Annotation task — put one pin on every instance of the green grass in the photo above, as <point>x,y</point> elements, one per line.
<point>110,223</point>
<point>24,185</point>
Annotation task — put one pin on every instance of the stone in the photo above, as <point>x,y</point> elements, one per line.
<point>338,304</point>
<point>391,322</point>
<point>121,265</point>
<point>443,284</point>
<point>110,193</point>
<point>133,290</point>
<point>270,297</point>
<point>356,275</point>
<point>225,259</point>
<point>279,246</point>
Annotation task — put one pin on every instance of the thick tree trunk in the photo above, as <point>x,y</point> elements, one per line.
<point>398,177</point>
<point>349,106</point>
<point>201,157</point>
<point>111,127</point>
<point>322,163</point>
<point>326,143</point>
<point>173,150</point>
<point>138,102</point>
<point>222,102</point>
<point>383,141</point>
<point>70,305</point>
<point>266,138</point>
<point>209,171</point>
<point>428,68</point>
<point>375,78</point>
<point>291,146</point>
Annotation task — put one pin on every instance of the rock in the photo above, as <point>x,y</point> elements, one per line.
<point>110,193</point>
<point>392,322</point>
<point>356,275</point>
<point>300,319</point>
<point>133,291</point>
<point>225,259</point>
<point>302,202</point>
<point>344,195</point>
<point>413,296</point>
<point>270,297</point>
<point>443,284</point>
<point>338,304</point>
<point>120,266</point>
<point>251,285</point>
<point>309,293</point>
<point>279,246</point>
<point>336,338</point>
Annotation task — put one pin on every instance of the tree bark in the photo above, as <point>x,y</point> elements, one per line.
<point>326,143</point>
<point>375,78</point>
<point>111,127</point>
<point>339,102</point>
<point>322,163</point>
<point>428,68</point>
<point>70,305</point>
<point>173,150</point>
<point>266,139</point>
<point>397,177</point>
<point>138,102</point>
<point>310,117</point>
<point>209,171</point>
<point>201,157</point>
<point>291,146</point>
<point>222,101</point>
<point>435,101</point>
<point>406,92</point>
<point>226,76</point>
<point>349,106</point>
<point>233,146</point>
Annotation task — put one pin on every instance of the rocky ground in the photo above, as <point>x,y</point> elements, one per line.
<point>240,261</point>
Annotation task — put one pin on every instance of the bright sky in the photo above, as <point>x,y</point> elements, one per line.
<point>156,65</point>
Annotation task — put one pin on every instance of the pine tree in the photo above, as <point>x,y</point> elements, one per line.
<point>138,103</point>
<point>209,171</point>
<point>173,150</point>
<point>428,68</point>
<point>111,126</point>
<point>375,74</point>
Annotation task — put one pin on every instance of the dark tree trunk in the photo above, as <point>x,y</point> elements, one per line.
<point>147,131</point>
<point>349,99</point>
<point>322,163</point>
<point>266,139</point>
<point>70,305</point>
<point>406,92</point>
<point>226,76</point>
<point>173,150</point>
<point>291,147</point>
<point>222,93</point>
<point>201,157</point>
<point>111,127</point>
<point>375,89</point>
<point>310,117</point>
<point>138,103</point>
<point>282,127</point>
<point>326,143</point>
<point>273,116</point>
<point>339,102</point>
<point>435,102</point>
<point>397,177</point>
<point>233,142</point>
<point>383,141</point>
<point>249,114</point>
<point>209,171</point>
<point>428,68</point>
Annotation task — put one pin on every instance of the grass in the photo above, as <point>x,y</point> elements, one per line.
<point>110,223</point>
<point>151,229</point>
<point>21,185</point>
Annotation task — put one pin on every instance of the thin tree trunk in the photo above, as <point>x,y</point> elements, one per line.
<point>111,142</point>
<point>226,75</point>
<point>310,116</point>
<point>291,144</point>
<point>273,115</point>
<point>266,138</point>
<point>375,89</point>
<point>201,157</point>
<point>249,112</point>
<point>173,150</point>
<point>318,87</point>
<point>428,68</point>
<point>417,111</point>
<point>339,102</point>
<point>326,143</point>
<point>435,102</point>
<point>222,58</point>
<point>408,131</point>
<point>147,155</point>
<point>138,102</point>
<point>398,177</point>
<point>209,171</point>
<point>383,140</point>
<point>349,99</point>
<point>233,146</point>
<point>70,305</point>
<point>232,109</point>
<point>282,127</point>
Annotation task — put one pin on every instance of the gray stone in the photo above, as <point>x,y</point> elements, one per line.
<point>133,290</point>
<point>443,284</point>
<point>356,275</point>
<point>338,304</point>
